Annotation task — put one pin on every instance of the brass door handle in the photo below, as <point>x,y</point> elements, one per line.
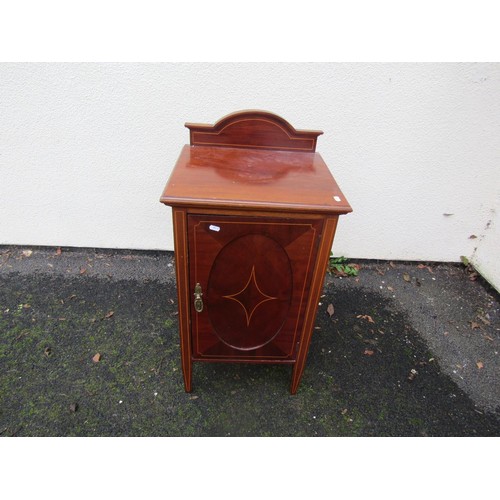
<point>198,302</point>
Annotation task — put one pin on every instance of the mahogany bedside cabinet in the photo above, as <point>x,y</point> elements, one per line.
<point>255,210</point>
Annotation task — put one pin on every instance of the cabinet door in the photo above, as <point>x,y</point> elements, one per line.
<point>254,275</point>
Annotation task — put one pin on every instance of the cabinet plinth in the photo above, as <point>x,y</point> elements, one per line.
<point>255,210</point>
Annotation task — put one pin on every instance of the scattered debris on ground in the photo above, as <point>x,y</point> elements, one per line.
<point>398,349</point>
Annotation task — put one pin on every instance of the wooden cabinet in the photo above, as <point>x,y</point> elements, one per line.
<point>255,210</point>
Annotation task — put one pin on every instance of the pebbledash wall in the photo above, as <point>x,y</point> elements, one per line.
<point>86,149</point>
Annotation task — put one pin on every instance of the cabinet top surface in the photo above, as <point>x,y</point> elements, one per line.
<point>227,177</point>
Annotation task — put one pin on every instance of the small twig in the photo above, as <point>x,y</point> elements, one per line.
<point>157,370</point>
<point>22,334</point>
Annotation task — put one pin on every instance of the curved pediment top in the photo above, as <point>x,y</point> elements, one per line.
<point>253,129</point>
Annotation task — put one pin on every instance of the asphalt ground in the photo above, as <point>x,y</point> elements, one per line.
<point>89,346</point>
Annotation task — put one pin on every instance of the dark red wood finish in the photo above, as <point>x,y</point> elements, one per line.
<point>255,273</point>
<point>214,177</point>
<point>253,129</point>
<point>255,211</point>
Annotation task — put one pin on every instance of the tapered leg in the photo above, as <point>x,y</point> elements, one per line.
<point>295,379</point>
<point>186,371</point>
<point>312,304</point>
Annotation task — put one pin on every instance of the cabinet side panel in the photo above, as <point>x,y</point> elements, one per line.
<point>312,304</point>
<point>182,273</point>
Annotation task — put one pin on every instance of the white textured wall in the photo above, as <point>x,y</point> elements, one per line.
<point>486,255</point>
<point>85,149</point>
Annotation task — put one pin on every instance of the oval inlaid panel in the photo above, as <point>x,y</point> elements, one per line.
<point>249,291</point>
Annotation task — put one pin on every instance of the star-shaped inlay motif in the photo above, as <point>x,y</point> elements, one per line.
<point>250,297</point>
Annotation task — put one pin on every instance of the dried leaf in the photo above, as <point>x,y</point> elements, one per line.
<point>330,310</point>
<point>423,266</point>
<point>484,320</point>
<point>96,358</point>
<point>27,253</point>
<point>365,316</point>
<point>480,365</point>
<point>474,325</point>
<point>193,397</point>
<point>369,352</point>
<point>392,264</point>
<point>339,272</point>
<point>412,375</point>
<point>58,251</point>
<point>406,277</point>
<point>47,351</point>
<point>83,270</point>
<point>73,407</point>
<point>390,288</point>
<point>109,314</point>
<point>472,237</point>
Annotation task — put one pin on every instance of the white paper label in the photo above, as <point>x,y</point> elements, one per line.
<point>337,198</point>
<point>214,228</point>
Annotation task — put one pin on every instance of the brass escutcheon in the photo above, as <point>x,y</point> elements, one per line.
<point>198,302</point>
